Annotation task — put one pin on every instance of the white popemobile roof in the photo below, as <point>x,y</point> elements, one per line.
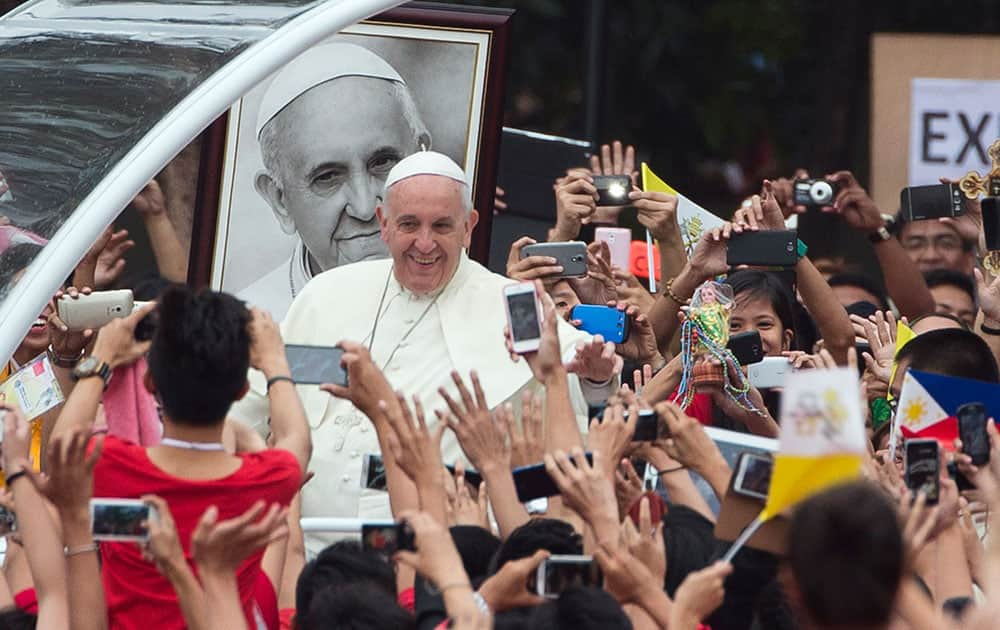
<point>99,95</point>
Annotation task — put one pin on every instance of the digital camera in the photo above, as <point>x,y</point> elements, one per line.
<point>814,192</point>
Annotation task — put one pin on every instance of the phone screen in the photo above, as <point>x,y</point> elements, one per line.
<point>559,573</point>
<point>972,431</point>
<point>754,475</point>
<point>524,323</point>
<point>119,520</point>
<point>374,472</point>
<point>533,482</point>
<point>922,468</point>
<point>387,538</point>
<point>314,365</point>
<point>991,222</point>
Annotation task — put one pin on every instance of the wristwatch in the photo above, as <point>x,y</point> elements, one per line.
<point>92,366</point>
<point>883,234</point>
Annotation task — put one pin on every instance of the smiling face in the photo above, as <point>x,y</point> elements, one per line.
<point>328,154</point>
<point>425,225</point>
<point>756,313</point>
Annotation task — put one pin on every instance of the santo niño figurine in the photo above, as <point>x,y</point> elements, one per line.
<point>706,359</point>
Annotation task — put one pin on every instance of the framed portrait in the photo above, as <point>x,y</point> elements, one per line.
<point>291,175</point>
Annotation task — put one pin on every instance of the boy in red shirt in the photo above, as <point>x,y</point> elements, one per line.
<point>198,360</point>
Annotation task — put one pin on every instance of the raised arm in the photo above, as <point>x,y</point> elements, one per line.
<point>289,426</point>
<point>171,259</point>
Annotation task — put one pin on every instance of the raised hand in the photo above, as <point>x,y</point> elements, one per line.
<point>69,480</point>
<point>631,291</point>
<point>366,384</point>
<point>614,159</point>
<point>116,343</point>
<point>531,267</point>
<point>107,257</point>
<point>482,438</point>
<point>506,589</point>
<point>587,490</point>
<point>527,442</point>
<point>880,331</point>
<point>599,285</point>
<point>221,546</point>
<point>970,224</point>
<point>646,541</point>
<point>267,349</point>
<point>416,449</point>
<point>68,343</point>
<point>657,212</point>
<point>709,257</point>
<point>576,202</point>
<point>612,437</point>
<point>853,204</point>
<point>435,557</point>
<point>699,595</point>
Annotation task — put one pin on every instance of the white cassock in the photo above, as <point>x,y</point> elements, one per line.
<point>417,344</point>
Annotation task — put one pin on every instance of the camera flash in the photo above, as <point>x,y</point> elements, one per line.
<point>616,190</point>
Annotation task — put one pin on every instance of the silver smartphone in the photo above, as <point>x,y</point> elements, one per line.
<point>95,309</point>
<point>571,255</point>
<point>769,373</point>
<point>558,573</point>
<point>120,519</point>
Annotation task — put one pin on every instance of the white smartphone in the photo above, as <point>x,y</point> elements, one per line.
<point>753,475</point>
<point>524,316</point>
<point>95,309</point>
<point>619,241</point>
<point>557,573</point>
<point>769,373</point>
<point>120,519</point>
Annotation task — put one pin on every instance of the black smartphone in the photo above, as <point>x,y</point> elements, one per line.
<point>991,222</point>
<point>972,430</point>
<point>571,256</point>
<point>773,248</point>
<point>919,203</point>
<point>612,190</point>
<point>747,347</point>
<point>471,476</point>
<point>560,572</point>
<point>387,537</point>
<point>922,468</point>
<point>753,475</point>
<point>315,365</point>
<point>373,472</point>
<point>860,349</point>
<point>533,482</point>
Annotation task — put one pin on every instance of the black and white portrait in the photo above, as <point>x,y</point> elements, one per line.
<point>308,150</point>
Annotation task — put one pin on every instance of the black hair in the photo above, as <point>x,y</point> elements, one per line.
<point>577,608</point>
<point>689,543</point>
<point>200,354</point>
<point>753,284</point>
<point>917,320</point>
<point>862,308</point>
<point>15,259</point>
<point>951,278</point>
<point>845,550</point>
<point>340,564</point>
<point>14,618</point>
<point>477,547</point>
<point>149,286</point>
<point>551,534</point>
<point>861,281</point>
<point>951,352</point>
<point>357,606</point>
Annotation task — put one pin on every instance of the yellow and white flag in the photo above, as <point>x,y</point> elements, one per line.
<point>692,218</point>
<point>822,441</point>
<point>904,335</point>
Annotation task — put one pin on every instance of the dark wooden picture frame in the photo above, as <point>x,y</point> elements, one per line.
<point>494,23</point>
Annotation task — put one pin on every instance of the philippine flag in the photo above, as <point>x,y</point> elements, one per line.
<point>928,402</point>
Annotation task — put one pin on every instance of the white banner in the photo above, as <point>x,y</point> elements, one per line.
<point>952,124</point>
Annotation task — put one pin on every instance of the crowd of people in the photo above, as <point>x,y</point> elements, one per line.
<point>205,424</point>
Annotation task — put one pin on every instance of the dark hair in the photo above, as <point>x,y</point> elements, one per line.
<point>845,550</point>
<point>689,543</point>
<point>949,277</point>
<point>578,608</point>
<point>917,320</point>
<point>200,354</point>
<point>340,564</point>
<point>753,284</point>
<point>861,281</point>
<point>951,352</point>
<point>357,606</point>
<point>14,618</point>
<point>477,547</point>
<point>551,534</point>
<point>15,259</point>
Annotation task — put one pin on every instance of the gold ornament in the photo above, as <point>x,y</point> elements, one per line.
<point>975,185</point>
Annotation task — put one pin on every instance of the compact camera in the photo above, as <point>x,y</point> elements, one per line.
<point>814,192</point>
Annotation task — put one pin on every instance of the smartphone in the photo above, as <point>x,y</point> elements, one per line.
<point>647,427</point>
<point>315,365</point>
<point>8,522</point>
<point>921,466</point>
<point>919,203</point>
<point>769,373</point>
<point>747,347</point>
<point>524,316</point>
<point>753,475</point>
<point>120,519</point>
<point>533,482</point>
<point>571,255</point>
<point>612,190</point>
<point>472,477</point>
<point>972,430</point>
<point>558,573</point>
<point>619,242</point>
<point>95,309</point>
<point>373,472</point>
<point>606,321</point>
<point>773,248</point>
<point>991,222</point>
<point>387,537</point>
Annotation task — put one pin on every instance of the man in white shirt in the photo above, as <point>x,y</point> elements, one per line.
<point>423,313</point>
<point>331,126</point>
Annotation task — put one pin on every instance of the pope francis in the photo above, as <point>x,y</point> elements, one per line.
<point>424,312</point>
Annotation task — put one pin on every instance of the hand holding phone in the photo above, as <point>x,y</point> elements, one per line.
<point>561,572</point>
<point>972,431</point>
<point>571,256</point>
<point>315,365</point>
<point>922,465</point>
<point>609,322</point>
<point>120,519</point>
<point>80,311</point>
<point>753,475</point>
<point>769,248</point>
<point>920,203</point>
<point>524,317</point>
<point>387,537</point>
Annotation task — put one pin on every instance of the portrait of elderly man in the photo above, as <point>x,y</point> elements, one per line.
<point>331,126</point>
<point>422,313</point>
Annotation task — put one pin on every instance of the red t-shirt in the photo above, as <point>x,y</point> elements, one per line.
<point>137,594</point>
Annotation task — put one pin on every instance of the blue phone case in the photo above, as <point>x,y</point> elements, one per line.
<point>605,321</point>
